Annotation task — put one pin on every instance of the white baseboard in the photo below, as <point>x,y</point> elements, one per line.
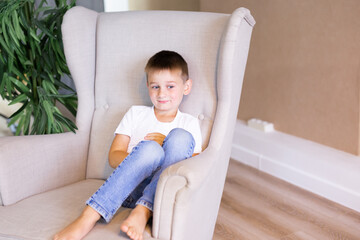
<point>325,171</point>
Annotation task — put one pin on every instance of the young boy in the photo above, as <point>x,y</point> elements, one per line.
<point>147,141</point>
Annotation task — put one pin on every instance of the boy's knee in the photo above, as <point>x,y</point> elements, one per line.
<point>178,145</point>
<point>152,147</point>
<point>151,151</point>
<point>179,136</point>
<point>180,133</point>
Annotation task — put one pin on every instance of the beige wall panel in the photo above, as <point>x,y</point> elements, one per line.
<point>303,68</point>
<point>184,5</point>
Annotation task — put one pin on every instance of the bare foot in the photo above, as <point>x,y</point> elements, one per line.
<point>135,223</point>
<point>80,227</point>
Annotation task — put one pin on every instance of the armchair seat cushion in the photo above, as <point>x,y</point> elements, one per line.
<point>42,215</point>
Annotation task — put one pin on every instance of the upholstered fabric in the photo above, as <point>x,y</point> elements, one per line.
<point>106,54</point>
<point>122,53</point>
<point>40,216</point>
<point>34,164</point>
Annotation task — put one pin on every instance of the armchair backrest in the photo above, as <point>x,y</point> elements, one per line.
<point>118,45</point>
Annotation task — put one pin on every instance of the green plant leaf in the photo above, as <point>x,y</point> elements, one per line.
<point>6,47</point>
<point>11,63</point>
<point>69,105</point>
<point>33,35</point>
<point>20,124</point>
<point>4,31</point>
<point>27,117</point>
<point>20,98</point>
<point>23,21</point>
<point>41,9</point>
<point>32,48</point>
<point>18,112</point>
<point>44,29</point>
<point>59,96</point>
<point>7,82</point>
<point>50,11</point>
<point>2,82</point>
<point>48,107</point>
<point>68,124</point>
<point>2,57</point>
<point>63,85</point>
<point>19,84</point>
<point>28,62</point>
<point>32,62</point>
<point>14,119</point>
<point>16,23</point>
<point>13,35</point>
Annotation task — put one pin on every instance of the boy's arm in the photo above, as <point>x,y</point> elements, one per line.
<point>118,150</point>
<point>157,137</point>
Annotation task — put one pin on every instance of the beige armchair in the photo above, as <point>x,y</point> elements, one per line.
<point>45,180</point>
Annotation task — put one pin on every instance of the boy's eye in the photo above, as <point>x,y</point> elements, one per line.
<point>155,87</point>
<point>171,86</point>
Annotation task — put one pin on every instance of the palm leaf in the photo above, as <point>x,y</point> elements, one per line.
<point>32,62</point>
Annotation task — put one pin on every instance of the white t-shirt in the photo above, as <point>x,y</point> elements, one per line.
<point>141,120</point>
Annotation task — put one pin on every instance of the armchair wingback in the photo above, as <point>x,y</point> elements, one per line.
<point>106,54</point>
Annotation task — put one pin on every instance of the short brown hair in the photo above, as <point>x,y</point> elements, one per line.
<point>168,60</point>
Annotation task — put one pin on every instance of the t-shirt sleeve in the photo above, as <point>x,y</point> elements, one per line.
<point>126,124</point>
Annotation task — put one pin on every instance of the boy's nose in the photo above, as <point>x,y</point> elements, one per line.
<point>162,92</point>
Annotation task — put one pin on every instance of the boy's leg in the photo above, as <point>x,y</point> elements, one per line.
<point>178,145</point>
<point>139,164</point>
<point>80,227</point>
<point>130,201</point>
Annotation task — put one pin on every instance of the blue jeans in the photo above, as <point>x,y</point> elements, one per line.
<point>134,180</point>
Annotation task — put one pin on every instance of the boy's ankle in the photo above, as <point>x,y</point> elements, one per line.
<point>147,212</point>
<point>90,213</point>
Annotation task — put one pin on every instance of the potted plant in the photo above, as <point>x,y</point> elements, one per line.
<point>32,62</point>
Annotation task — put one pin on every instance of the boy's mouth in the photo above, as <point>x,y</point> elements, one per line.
<point>163,101</point>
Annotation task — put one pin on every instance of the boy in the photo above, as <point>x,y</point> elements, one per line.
<point>147,140</point>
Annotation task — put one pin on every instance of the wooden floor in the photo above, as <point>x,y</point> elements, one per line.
<point>256,205</point>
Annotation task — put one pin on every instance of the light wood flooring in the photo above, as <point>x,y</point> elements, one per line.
<point>256,205</point>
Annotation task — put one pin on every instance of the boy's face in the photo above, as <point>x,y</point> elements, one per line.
<point>166,89</point>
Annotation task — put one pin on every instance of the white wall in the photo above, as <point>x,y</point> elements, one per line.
<point>116,5</point>
<point>317,168</point>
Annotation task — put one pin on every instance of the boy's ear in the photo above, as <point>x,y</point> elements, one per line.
<point>188,86</point>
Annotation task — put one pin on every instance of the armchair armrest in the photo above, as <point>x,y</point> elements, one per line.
<point>34,164</point>
<point>190,184</point>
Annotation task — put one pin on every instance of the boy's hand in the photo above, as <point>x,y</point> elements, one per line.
<point>157,137</point>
